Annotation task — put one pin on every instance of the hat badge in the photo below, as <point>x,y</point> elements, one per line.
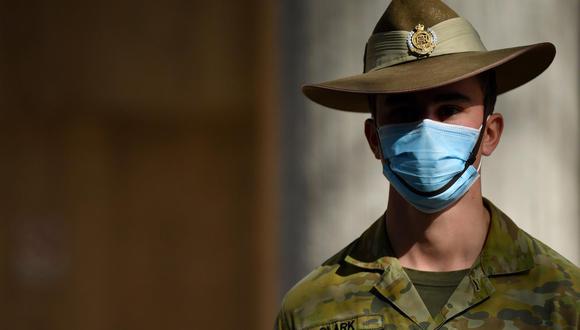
<point>421,41</point>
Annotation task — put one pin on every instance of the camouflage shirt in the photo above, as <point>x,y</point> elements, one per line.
<point>516,283</point>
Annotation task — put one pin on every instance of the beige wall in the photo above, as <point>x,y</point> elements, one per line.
<point>533,176</point>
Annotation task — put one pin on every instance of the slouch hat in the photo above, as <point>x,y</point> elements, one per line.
<point>422,44</point>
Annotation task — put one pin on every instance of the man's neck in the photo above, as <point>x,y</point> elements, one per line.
<point>443,241</point>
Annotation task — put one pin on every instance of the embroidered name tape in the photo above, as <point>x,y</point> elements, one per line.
<point>363,322</point>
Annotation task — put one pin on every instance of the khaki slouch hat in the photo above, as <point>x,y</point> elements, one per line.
<point>422,44</point>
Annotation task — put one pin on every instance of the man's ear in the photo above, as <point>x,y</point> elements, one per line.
<point>372,137</point>
<point>492,134</point>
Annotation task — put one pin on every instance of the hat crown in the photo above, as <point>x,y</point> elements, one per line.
<point>412,30</point>
<point>422,44</point>
<point>404,15</point>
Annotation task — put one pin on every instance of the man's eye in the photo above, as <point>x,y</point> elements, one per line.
<point>403,115</point>
<point>448,111</point>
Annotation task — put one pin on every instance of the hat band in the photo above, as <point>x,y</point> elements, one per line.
<point>455,35</point>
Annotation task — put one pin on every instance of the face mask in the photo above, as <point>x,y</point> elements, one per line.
<point>429,163</point>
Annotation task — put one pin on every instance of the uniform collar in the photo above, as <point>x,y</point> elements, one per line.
<point>507,249</point>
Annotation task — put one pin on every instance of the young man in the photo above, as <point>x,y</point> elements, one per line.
<point>441,256</point>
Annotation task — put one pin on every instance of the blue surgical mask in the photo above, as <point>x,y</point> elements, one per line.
<point>429,163</point>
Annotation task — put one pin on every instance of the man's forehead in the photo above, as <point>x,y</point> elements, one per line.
<point>443,96</point>
<point>469,89</point>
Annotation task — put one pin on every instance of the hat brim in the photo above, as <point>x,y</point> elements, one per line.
<point>514,67</point>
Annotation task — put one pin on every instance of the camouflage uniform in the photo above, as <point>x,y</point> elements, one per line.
<point>516,283</point>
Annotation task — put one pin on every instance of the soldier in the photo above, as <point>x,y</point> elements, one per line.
<point>441,256</point>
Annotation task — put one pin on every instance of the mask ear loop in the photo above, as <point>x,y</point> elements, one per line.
<point>473,154</point>
<point>470,161</point>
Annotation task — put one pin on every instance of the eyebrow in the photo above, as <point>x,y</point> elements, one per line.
<point>396,99</point>
<point>453,96</point>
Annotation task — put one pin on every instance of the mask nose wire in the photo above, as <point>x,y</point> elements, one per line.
<point>469,162</point>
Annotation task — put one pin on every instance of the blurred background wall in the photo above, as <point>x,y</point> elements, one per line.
<point>333,188</point>
<point>161,170</point>
<point>137,165</point>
